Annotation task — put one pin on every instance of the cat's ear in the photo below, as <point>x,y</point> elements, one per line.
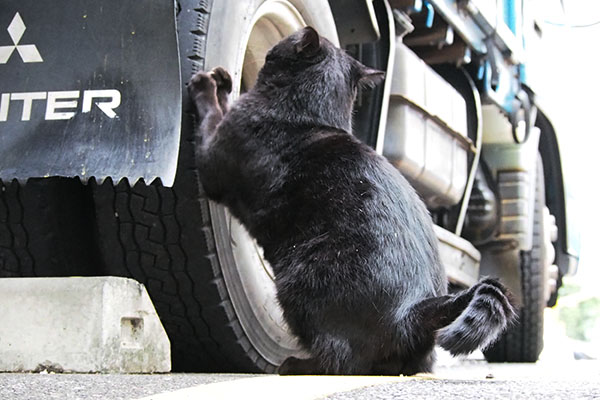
<point>309,43</point>
<point>370,77</point>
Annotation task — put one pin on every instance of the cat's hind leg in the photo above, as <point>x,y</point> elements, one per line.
<point>331,355</point>
<point>300,366</point>
<point>323,366</point>
<point>407,364</point>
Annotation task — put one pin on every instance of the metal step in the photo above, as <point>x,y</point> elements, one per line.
<point>460,258</point>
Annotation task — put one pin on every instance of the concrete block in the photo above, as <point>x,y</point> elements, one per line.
<point>80,324</point>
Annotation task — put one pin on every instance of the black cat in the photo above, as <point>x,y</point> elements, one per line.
<point>353,251</point>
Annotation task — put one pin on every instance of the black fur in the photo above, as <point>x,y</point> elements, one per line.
<point>351,245</point>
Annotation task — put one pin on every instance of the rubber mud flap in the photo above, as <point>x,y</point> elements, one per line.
<point>89,88</point>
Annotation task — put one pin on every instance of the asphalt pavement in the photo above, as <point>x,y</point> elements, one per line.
<point>453,379</point>
<point>443,389</point>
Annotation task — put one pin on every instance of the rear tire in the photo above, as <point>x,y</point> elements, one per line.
<point>205,275</point>
<point>524,341</point>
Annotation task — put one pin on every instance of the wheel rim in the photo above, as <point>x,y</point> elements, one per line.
<point>273,21</point>
<point>252,293</point>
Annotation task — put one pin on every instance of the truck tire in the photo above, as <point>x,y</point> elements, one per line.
<point>208,281</point>
<point>46,229</point>
<point>524,341</point>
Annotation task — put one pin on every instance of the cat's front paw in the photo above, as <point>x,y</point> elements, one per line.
<point>224,86</point>
<point>202,89</point>
<point>222,78</point>
<point>202,84</point>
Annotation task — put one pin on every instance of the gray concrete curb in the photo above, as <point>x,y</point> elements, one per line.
<point>91,324</point>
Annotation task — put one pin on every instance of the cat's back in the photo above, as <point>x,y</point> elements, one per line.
<point>318,193</point>
<point>351,209</point>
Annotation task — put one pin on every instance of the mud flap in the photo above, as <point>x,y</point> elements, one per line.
<point>89,88</point>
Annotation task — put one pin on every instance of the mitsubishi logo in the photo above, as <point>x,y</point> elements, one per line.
<point>28,52</point>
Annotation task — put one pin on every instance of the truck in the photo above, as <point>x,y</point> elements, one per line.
<point>97,170</point>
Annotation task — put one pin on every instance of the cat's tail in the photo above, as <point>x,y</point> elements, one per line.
<point>486,312</point>
<point>465,321</point>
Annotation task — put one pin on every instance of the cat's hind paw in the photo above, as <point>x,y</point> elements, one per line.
<point>298,366</point>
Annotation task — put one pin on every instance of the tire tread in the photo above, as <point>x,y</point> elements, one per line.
<point>165,240</point>
<point>524,341</point>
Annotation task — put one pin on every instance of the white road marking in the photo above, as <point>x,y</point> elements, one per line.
<point>274,387</point>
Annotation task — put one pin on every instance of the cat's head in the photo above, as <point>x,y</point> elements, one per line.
<point>316,72</point>
<point>306,52</point>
